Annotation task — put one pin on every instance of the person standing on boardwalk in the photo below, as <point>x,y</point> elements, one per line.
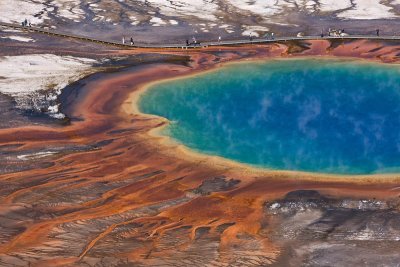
<point>132,43</point>
<point>187,42</point>
<point>377,32</point>
<point>123,40</point>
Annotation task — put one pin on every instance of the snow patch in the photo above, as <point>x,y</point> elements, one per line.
<point>263,8</point>
<point>334,5</point>
<point>201,9</point>
<point>368,9</point>
<point>134,20</point>
<point>16,11</point>
<point>4,29</point>
<point>69,9</point>
<point>253,30</point>
<point>35,81</point>
<point>19,38</point>
<point>157,21</point>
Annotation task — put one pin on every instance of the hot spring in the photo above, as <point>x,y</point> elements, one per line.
<point>315,115</point>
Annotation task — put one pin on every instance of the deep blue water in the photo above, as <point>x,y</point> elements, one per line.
<point>305,114</point>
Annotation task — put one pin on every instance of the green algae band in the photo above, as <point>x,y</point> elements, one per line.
<point>315,115</point>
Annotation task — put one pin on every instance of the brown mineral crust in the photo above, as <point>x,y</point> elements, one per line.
<point>135,197</point>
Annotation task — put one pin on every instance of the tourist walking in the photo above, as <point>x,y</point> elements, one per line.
<point>123,40</point>
<point>187,42</point>
<point>132,43</point>
<point>377,32</point>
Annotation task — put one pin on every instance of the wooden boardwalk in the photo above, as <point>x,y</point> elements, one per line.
<point>202,45</point>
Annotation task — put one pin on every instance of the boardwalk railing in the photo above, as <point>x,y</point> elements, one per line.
<point>203,44</point>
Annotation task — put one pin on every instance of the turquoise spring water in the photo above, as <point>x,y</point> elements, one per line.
<point>315,115</point>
